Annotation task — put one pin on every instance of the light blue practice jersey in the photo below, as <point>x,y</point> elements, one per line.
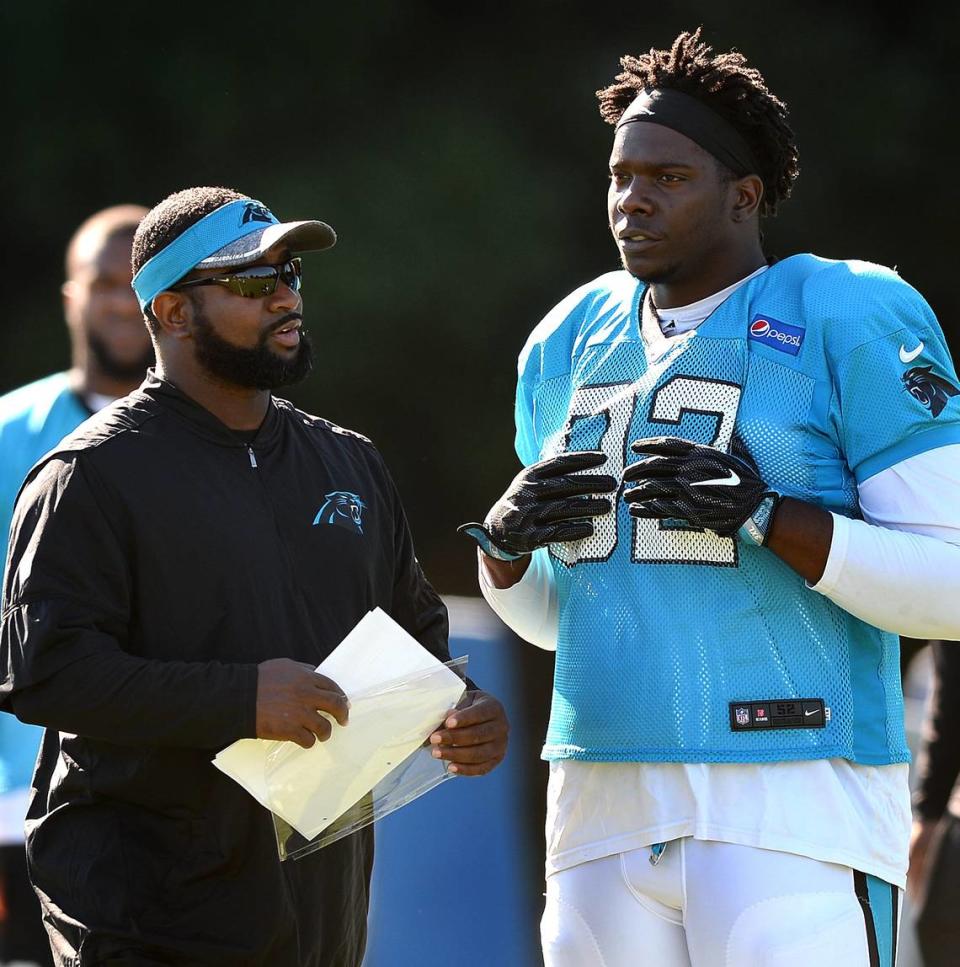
<point>676,644</point>
<point>33,420</point>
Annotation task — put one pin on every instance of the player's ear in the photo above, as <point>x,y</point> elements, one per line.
<point>174,313</point>
<point>746,194</point>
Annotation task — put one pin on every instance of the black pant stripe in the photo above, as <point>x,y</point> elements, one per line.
<point>863,895</point>
<point>894,904</point>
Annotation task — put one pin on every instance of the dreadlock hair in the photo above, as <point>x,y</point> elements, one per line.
<point>725,84</point>
<point>171,218</point>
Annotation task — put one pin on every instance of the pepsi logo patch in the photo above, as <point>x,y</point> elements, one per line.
<point>777,335</point>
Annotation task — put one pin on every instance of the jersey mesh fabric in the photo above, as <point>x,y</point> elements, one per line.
<point>33,420</point>
<point>662,626</point>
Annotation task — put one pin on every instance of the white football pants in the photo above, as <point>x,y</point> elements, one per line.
<point>711,904</point>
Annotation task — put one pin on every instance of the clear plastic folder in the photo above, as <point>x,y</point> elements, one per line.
<point>399,693</point>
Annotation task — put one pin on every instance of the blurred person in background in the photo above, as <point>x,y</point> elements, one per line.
<point>110,353</point>
<point>934,876</point>
<point>171,587</point>
<point>738,470</point>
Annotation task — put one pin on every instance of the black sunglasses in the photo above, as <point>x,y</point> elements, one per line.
<point>256,282</point>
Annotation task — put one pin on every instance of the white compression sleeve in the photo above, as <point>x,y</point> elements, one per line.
<point>529,608</point>
<point>899,568</point>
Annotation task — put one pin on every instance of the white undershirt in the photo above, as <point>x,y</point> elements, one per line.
<point>898,569</point>
<point>674,322</point>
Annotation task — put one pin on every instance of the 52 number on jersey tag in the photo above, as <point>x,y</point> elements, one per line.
<point>779,713</point>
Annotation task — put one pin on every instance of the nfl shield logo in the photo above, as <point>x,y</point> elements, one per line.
<point>742,716</point>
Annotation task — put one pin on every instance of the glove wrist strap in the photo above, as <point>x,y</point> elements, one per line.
<point>756,528</point>
<point>482,536</point>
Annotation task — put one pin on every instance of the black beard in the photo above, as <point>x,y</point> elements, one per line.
<point>114,368</point>
<point>256,368</point>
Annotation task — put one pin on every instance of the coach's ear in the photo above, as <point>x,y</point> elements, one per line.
<point>173,312</point>
<point>746,193</point>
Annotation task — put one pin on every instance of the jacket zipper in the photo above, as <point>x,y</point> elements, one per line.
<point>253,459</point>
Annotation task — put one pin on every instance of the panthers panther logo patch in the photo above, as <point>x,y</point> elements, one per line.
<point>253,211</point>
<point>929,389</point>
<point>342,509</point>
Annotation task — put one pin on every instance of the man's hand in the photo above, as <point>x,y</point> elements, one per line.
<point>700,484</point>
<point>290,698</point>
<point>548,502</point>
<point>473,739</point>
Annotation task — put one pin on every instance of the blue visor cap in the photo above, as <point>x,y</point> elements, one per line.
<point>236,234</point>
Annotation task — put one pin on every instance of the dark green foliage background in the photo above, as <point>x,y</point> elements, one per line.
<point>458,152</point>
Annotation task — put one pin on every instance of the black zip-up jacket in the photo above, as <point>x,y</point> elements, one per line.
<point>155,560</point>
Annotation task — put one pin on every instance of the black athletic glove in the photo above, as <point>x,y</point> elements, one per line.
<point>548,502</point>
<point>705,486</point>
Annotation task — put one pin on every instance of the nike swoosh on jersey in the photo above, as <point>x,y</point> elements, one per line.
<point>909,357</point>
<point>730,481</point>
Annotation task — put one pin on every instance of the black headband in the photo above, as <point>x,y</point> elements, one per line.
<point>694,120</point>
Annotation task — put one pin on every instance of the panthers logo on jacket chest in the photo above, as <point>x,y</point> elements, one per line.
<point>341,508</point>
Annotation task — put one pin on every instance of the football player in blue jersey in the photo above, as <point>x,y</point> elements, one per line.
<point>742,481</point>
<point>110,353</point>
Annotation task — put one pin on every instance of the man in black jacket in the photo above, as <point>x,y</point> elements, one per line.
<point>170,588</point>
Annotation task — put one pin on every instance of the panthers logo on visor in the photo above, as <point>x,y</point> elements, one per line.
<point>929,389</point>
<point>255,212</point>
<point>342,509</point>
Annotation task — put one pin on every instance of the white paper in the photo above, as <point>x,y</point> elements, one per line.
<point>310,788</point>
<point>389,720</point>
